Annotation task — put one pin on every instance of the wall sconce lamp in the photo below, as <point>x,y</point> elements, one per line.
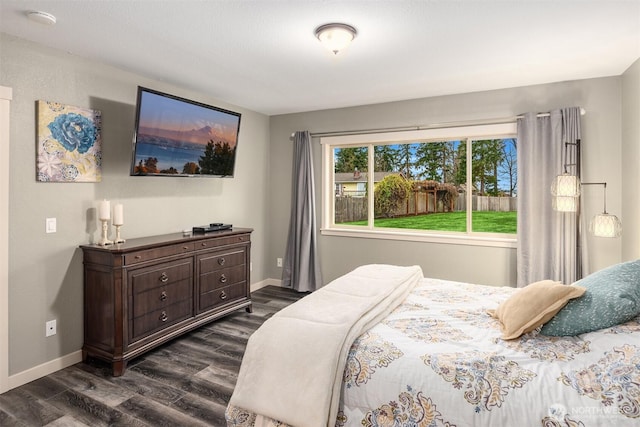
<point>567,185</point>
<point>604,224</point>
<point>336,37</point>
<point>566,191</point>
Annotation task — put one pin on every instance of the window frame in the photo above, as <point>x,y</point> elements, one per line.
<point>435,134</point>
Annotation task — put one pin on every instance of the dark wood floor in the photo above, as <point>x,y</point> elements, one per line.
<point>186,382</point>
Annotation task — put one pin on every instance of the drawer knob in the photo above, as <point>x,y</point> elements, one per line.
<point>164,278</point>
<point>221,261</point>
<point>185,247</point>
<point>204,244</point>
<point>223,295</point>
<point>163,317</point>
<point>137,257</point>
<point>223,278</point>
<point>163,296</point>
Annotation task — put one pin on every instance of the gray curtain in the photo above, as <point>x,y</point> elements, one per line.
<point>547,240</point>
<point>301,265</point>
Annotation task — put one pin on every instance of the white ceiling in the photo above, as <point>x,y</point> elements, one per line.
<point>263,55</point>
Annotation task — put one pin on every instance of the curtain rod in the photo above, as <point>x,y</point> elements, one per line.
<point>432,126</point>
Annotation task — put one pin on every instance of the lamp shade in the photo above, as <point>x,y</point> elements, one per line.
<point>565,203</point>
<point>605,225</point>
<point>566,185</point>
<point>336,37</point>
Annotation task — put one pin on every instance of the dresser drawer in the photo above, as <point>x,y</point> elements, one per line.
<point>160,275</point>
<point>221,241</point>
<point>225,295</point>
<point>220,260</point>
<point>151,254</point>
<point>221,278</point>
<point>160,297</point>
<point>160,319</point>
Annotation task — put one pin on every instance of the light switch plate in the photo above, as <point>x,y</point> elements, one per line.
<point>50,225</point>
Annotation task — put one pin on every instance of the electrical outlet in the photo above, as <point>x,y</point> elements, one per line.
<point>50,328</point>
<point>279,262</point>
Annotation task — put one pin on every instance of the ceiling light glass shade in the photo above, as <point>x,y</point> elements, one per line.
<point>565,204</point>
<point>42,17</point>
<point>605,225</point>
<point>566,185</point>
<point>336,37</point>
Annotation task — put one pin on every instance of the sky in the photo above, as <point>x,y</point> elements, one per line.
<point>169,113</point>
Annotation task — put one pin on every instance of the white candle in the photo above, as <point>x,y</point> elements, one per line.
<point>118,214</point>
<point>104,210</point>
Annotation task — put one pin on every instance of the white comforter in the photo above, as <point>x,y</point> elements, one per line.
<point>293,365</point>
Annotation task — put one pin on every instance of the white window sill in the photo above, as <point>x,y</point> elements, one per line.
<point>476,239</point>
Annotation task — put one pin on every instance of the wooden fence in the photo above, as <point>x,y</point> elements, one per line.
<point>349,209</point>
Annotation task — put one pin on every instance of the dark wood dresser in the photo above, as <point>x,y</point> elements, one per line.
<point>144,292</point>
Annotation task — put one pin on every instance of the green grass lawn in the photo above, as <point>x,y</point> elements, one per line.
<point>483,221</point>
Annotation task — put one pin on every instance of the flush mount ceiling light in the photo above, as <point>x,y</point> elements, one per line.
<point>42,17</point>
<point>336,37</point>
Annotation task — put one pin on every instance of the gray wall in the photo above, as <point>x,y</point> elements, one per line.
<point>601,160</point>
<point>631,162</point>
<point>45,270</point>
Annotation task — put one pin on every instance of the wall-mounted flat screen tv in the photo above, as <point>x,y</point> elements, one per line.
<point>178,137</point>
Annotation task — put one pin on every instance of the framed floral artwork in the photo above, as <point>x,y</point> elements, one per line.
<point>69,143</point>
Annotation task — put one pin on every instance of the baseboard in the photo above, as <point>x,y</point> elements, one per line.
<point>43,370</point>
<point>265,282</point>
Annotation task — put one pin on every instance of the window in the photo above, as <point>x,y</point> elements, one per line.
<point>449,184</point>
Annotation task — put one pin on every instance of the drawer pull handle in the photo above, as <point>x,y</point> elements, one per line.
<point>204,245</point>
<point>223,295</point>
<point>164,278</point>
<point>221,261</point>
<point>185,247</point>
<point>163,296</point>
<point>223,278</point>
<point>163,317</point>
<point>137,257</point>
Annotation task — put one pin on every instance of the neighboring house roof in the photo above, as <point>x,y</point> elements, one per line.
<point>463,188</point>
<point>345,177</point>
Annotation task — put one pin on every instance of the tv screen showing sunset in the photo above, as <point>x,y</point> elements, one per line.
<point>175,136</point>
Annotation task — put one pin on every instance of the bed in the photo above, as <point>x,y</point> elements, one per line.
<point>439,359</point>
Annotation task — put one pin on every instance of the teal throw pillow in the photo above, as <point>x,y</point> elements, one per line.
<point>612,297</point>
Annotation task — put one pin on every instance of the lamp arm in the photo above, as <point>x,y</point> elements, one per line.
<point>604,184</point>
<point>577,165</point>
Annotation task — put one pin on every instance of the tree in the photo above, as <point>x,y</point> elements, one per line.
<point>435,161</point>
<point>453,164</point>
<point>509,166</point>
<point>348,159</point>
<point>149,165</point>
<point>385,158</point>
<point>460,172</point>
<point>487,156</point>
<point>217,159</point>
<point>191,168</point>
<point>389,193</point>
<point>170,171</point>
<point>405,157</point>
